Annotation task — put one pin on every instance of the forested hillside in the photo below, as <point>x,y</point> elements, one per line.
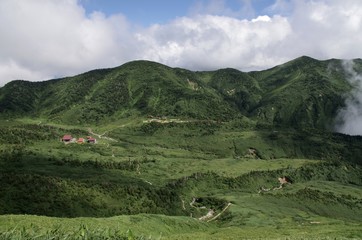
<point>179,154</point>
<point>302,93</point>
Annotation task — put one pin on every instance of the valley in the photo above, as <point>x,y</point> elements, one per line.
<point>180,155</point>
<point>155,176</point>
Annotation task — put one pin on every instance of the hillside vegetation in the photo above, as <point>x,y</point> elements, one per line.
<point>181,155</point>
<point>302,93</point>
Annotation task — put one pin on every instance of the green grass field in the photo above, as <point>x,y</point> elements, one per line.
<point>155,180</point>
<point>166,227</point>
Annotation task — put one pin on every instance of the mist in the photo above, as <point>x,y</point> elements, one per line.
<point>349,118</point>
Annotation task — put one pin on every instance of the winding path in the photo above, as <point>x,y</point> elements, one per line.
<point>101,136</point>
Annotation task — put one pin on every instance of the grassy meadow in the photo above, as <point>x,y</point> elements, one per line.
<point>159,179</point>
<point>181,154</point>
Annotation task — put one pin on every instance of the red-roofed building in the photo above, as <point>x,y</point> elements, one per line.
<point>80,140</point>
<point>67,138</point>
<point>91,140</point>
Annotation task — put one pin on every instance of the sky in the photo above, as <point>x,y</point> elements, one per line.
<point>45,39</point>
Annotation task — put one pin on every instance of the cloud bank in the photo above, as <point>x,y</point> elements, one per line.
<point>42,39</point>
<point>349,118</point>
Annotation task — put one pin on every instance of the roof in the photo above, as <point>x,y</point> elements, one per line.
<point>67,137</point>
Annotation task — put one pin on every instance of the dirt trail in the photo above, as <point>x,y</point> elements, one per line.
<point>166,120</point>
<point>210,214</point>
<point>282,182</point>
<point>218,215</point>
<point>176,120</point>
<point>101,136</point>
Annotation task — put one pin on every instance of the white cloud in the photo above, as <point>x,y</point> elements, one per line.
<point>46,38</point>
<point>209,42</point>
<point>349,118</point>
<point>244,8</point>
<point>324,28</point>
<point>11,70</point>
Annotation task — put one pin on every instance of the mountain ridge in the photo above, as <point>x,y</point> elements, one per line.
<point>199,155</point>
<point>304,92</point>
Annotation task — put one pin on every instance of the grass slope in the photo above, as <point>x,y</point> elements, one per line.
<point>301,93</point>
<point>180,155</point>
<point>162,176</point>
<point>164,227</point>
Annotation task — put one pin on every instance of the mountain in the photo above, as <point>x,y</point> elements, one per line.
<point>181,154</point>
<point>140,87</point>
<point>304,92</point>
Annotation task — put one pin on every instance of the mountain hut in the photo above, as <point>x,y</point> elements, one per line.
<point>67,138</point>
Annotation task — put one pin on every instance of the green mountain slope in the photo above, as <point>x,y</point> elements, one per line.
<point>301,93</point>
<point>181,155</point>
<point>171,174</point>
<point>141,87</point>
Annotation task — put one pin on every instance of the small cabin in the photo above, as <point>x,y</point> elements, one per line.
<point>91,140</point>
<point>67,138</point>
<point>80,140</point>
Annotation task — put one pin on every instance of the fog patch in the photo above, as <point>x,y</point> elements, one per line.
<point>349,118</point>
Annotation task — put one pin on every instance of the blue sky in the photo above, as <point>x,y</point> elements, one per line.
<point>143,12</point>
<point>43,39</point>
<point>148,12</point>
